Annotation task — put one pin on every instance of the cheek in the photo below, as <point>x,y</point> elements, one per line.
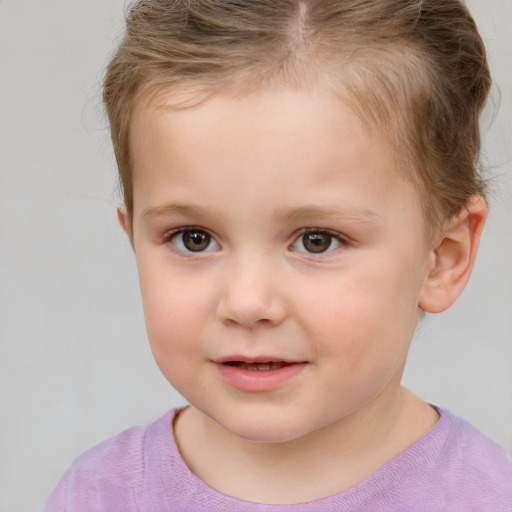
<point>174,329</point>
<point>173,312</point>
<point>364,320</point>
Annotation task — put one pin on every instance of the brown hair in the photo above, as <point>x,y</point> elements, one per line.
<point>414,69</point>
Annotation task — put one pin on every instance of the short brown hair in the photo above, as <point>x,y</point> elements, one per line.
<point>416,69</point>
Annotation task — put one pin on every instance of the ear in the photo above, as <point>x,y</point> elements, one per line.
<point>453,256</point>
<point>124,221</point>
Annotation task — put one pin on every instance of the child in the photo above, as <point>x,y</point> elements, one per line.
<point>300,185</point>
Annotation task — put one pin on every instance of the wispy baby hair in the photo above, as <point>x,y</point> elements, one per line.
<point>415,70</point>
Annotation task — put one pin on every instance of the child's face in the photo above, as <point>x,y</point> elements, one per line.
<point>272,228</point>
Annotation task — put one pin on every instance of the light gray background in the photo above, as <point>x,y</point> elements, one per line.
<point>75,366</point>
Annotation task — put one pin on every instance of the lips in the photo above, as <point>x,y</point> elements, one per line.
<point>258,374</point>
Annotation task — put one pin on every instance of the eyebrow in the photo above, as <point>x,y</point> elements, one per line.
<point>283,214</point>
<point>173,208</point>
<point>325,211</point>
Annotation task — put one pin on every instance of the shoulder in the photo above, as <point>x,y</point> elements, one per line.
<point>471,468</point>
<point>109,474</point>
<point>452,467</point>
<point>467,446</point>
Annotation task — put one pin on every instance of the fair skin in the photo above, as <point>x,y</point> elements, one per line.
<point>283,263</point>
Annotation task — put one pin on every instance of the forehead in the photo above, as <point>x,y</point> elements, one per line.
<point>270,147</point>
<point>296,115</point>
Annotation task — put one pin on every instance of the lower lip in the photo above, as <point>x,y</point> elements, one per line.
<point>259,380</point>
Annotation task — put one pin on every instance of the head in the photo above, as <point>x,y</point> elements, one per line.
<point>300,181</point>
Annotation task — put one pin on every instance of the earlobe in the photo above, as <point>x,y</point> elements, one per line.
<point>124,221</point>
<point>453,257</point>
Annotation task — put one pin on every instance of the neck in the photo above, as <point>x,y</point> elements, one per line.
<point>301,470</point>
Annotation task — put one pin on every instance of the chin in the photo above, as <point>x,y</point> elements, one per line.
<point>265,430</point>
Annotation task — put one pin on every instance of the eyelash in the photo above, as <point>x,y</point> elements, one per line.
<point>169,237</point>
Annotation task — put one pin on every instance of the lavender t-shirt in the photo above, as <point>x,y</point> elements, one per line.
<point>451,468</point>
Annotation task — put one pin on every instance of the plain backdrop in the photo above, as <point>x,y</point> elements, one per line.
<point>75,367</point>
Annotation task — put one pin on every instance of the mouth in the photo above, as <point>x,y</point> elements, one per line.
<point>259,374</point>
<point>264,366</point>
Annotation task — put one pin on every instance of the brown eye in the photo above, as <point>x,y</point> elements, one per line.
<point>193,240</point>
<point>317,242</point>
<point>196,240</point>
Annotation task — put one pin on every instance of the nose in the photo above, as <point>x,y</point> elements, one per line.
<point>251,295</point>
